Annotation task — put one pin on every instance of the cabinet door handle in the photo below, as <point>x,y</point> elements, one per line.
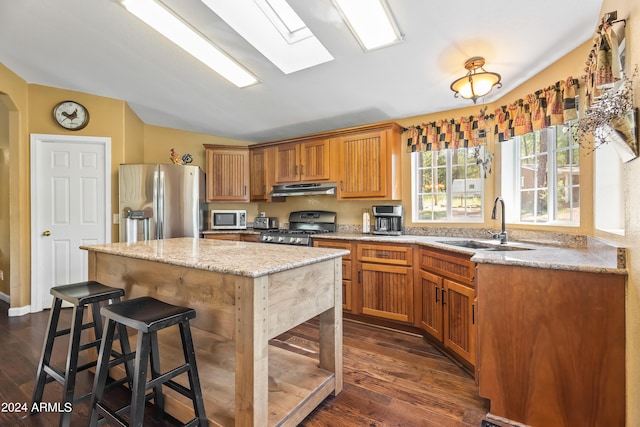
<point>443,296</point>
<point>296,170</point>
<point>245,190</point>
<point>359,276</point>
<point>437,294</point>
<point>301,169</point>
<point>473,314</point>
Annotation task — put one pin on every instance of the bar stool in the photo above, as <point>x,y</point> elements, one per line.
<point>80,295</point>
<point>147,315</point>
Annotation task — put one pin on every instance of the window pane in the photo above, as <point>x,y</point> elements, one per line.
<point>449,185</point>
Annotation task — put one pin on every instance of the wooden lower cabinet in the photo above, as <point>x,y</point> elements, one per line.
<point>234,236</point>
<point>387,291</point>
<point>459,320</point>
<point>551,345</point>
<point>385,281</point>
<point>446,307</point>
<point>230,236</point>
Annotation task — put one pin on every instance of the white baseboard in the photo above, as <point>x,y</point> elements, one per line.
<point>4,297</point>
<point>19,311</point>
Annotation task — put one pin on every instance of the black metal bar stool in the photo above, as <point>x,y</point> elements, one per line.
<point>147,315</point>
<point>80,295</point>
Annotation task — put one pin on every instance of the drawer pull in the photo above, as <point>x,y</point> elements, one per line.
<point>443,296</point>
<point>436,294</point>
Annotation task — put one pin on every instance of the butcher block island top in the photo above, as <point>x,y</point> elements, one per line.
<point>244,295</point>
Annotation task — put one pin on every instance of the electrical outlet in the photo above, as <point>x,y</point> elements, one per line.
<point>1,275</point>
<point>116,218</point>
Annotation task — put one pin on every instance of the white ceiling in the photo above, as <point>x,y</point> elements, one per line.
<point>95,46</point>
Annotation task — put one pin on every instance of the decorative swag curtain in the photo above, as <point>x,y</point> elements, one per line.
<point>553,105</point>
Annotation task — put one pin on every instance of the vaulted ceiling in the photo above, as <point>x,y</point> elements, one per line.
<point>97,47</point>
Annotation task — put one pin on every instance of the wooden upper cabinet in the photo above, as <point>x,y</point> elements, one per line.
<point>305,161</point>
<point>227,169</point>
<point>262,173</point>
<point>369,164</point>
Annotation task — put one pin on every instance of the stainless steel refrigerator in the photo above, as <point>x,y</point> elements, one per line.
<point>160,201</point>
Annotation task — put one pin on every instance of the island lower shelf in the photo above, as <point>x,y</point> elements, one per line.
<point>296,383</point>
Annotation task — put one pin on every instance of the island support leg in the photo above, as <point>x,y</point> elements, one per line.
<point>331,332</point>
<point>252,361</point>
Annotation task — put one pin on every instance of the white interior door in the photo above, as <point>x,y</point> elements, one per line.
<point>70,207</point>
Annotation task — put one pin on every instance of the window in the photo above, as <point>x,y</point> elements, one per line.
<point>541,177</point>
<point>447,185</point>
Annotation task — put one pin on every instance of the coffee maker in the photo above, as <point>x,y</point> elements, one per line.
<point>388,220</point>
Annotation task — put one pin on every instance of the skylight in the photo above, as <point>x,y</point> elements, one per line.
<point>275,30</point>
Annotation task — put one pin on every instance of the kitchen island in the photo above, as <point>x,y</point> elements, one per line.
<point>244,295</point>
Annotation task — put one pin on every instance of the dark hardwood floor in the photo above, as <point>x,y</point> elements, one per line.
<point>390,379</point>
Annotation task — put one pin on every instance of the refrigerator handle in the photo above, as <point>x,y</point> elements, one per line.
<point>159,208</point>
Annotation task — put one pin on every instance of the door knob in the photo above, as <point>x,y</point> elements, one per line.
<point>46,233</point>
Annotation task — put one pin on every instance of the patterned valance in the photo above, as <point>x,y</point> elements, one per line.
<point>553,105</point>
<point>464,132</point>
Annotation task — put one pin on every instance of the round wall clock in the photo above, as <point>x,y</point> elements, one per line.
<point>71,115</point>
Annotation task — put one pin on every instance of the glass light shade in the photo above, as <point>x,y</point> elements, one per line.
<point>476,83</point>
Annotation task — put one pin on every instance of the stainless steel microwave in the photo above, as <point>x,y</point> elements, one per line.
<point>228,219</point>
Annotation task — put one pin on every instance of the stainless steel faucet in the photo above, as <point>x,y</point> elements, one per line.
<point>503,234</point>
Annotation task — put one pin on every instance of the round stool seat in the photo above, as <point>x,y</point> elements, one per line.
<point>147,314</point>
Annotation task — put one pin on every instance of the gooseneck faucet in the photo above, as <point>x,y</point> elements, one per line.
<point>503,233</point>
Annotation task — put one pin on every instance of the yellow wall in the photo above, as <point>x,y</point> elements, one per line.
<point>14,97</point>
<point>5,247</point>
<point>630,10</point>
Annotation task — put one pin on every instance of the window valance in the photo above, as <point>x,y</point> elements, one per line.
<point>553,105</point>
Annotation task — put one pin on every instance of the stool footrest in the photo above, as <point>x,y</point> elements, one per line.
<point>122,359</point>
<point>113,416</point>
<point>166,377</point>
<point>180,388</point>
<point>66,331</point>
<point>87,366</point>
<point>90,344</point>
<point>54,373</point>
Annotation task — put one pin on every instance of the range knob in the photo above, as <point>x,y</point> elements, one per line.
<point>280,239</point>
<point>298,240</point>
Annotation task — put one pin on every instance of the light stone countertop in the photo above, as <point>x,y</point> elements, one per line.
<point>594,255</point>
<point>230,257</point>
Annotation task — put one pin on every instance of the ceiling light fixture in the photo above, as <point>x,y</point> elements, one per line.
<point>371,22</point>
<point>165,22</point>
<point>476,83</point>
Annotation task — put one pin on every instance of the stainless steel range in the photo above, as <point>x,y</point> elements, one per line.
<point>302,225</point>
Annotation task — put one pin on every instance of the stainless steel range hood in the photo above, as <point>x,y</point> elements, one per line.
<point>304,189</point>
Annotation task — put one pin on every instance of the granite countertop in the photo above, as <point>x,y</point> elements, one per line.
<point>592,255</point>
<point>237,258</point>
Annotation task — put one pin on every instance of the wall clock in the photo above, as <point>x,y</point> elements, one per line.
<point>71,115</point>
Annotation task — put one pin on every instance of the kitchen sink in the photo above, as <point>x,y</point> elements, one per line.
<point>473,244</point>
<point>466,244</point>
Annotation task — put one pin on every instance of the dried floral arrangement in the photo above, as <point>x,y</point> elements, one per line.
<point>612,112</point>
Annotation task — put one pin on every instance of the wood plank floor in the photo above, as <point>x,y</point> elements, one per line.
<point>390,379</point>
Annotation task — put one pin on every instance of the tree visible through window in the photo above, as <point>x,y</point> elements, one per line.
<point>544,187</point>
<point>448,185</point>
